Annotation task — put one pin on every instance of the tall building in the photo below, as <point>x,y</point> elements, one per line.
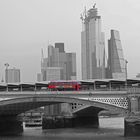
<point>12,75</point>
<point>60,46</point>
<point>39,77</point>
<point>52,73</point>
<point>59,65</point>
<point>138,75</point>
<point>71,66</point>
<point>93,45</point>
<point>116,61</point>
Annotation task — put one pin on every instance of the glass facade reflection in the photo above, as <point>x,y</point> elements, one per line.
<point>116,61</point>
<point>93,46</point>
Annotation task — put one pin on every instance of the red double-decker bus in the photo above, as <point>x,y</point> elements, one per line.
<point>64,85</point>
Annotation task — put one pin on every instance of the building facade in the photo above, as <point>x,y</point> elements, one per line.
<point>39,77</point>
<point>59,65</point>
<point>92,45</point>
<point>116,61</point>
<point>51,73</point>
<point>12,75</point>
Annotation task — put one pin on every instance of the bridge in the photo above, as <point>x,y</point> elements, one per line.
<point>102,95</point>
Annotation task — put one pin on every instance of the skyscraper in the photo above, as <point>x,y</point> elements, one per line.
<point>59,65</point>
<point>116,61</point>
<point>93,46</point>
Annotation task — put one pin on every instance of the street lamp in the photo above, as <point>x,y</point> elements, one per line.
<point>126,62</point>
<point>6,72</point>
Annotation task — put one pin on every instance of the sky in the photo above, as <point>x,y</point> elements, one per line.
<point>26,26</point>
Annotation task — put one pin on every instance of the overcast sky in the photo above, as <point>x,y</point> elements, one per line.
<point>26,26</point>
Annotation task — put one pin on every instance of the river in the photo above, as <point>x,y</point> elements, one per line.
<point>110,129</point>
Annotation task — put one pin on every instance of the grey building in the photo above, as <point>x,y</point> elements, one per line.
<point>60,46</point>
<point>116,62</point>
<point>138,75</point>
<point>12,75</point>
<point>93,45</point>
<point>39,77</point>
<point>59,65</point>
<point>71,66</point>
<point>51,73</point>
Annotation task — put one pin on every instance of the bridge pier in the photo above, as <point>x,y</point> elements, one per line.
<point>57,116</point>
<point>10,125</point>
<point>52,122</point>
<point>86,121</point>
<point>132,121</point>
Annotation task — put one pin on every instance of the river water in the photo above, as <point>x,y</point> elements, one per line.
<point>110,129</point>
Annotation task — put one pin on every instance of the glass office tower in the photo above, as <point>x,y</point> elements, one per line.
<point>93,46</point>
<point>116,61</point>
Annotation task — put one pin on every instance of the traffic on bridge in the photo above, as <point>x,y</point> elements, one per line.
<point>74,85</point>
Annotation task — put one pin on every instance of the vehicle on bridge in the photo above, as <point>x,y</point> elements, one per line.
<point>64,85</point>
<point>73,85</point>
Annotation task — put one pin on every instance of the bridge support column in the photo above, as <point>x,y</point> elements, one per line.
<point>86,121</point>
<point>70,122</point>
<point>132,121</point>
<point>52,122</point>
<point>10,125</point>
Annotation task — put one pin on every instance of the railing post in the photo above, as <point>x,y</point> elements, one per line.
<point>94,85</point>
<point>21,87</point>
<point>35,88</point>
<point>7,89</point>
<point>110,86</point>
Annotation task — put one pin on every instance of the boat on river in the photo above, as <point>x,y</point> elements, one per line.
<point>34,120</point>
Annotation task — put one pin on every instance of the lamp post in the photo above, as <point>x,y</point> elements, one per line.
<point>126,62</point>
<point>6,72</point>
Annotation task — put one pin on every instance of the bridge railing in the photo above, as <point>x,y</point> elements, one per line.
<point>48,90</point>
<point>129,89</point>
<point>132,90</point>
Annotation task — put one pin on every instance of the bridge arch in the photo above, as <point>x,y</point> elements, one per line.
<point>20,105</point>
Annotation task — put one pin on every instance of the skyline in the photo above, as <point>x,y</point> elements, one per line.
<point>27,26</point>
